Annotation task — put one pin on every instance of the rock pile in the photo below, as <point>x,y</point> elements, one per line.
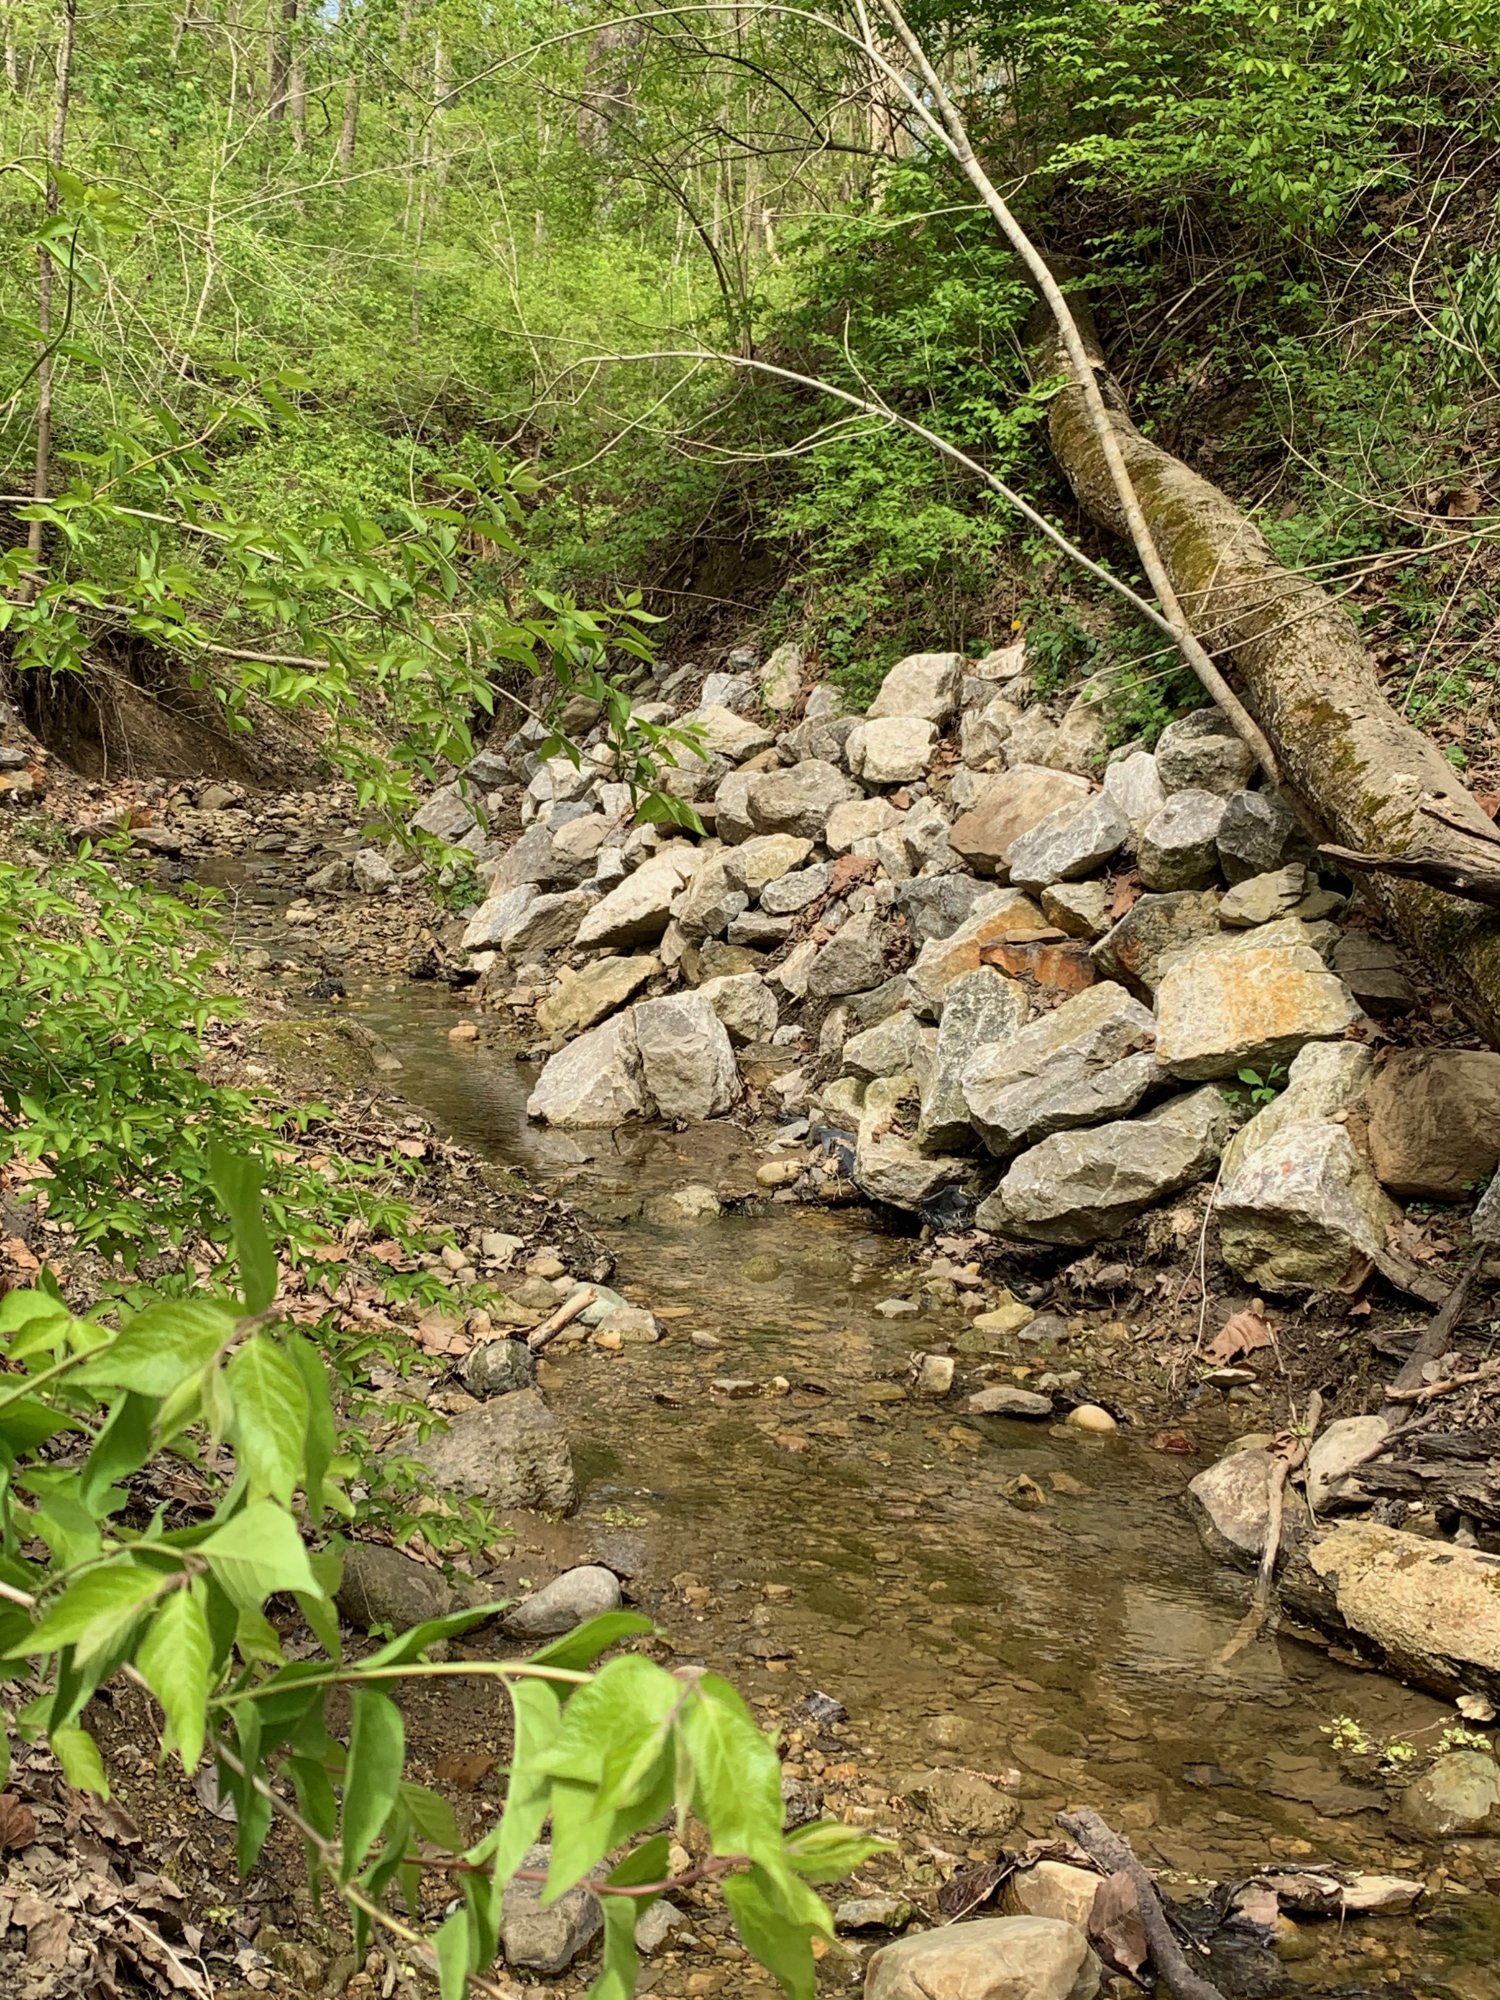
<point>1006,966</point>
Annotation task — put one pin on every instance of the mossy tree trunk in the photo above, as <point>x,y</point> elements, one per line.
<point>1360,774</point>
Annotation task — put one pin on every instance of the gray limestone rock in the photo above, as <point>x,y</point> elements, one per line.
<point>980,1009</point>
<point>790,893</point>
<point>1085,1187</point>
<point>1218,1012</point>
<point>686,1058</point>
<point>1261,899</point>
<point>1201,753</point>
<point>569,1600</point>
<point>995,1958</point>
<point>595,1083</point>
<point>1136,950</point>
<point>1078,909</point>
<point>744,1003</point>
<point>1258,835</point>
<point>891,749</point>
<point>797,800</point>
<point>936,905</point>
<point>852,961</point>
<point>638,911</point>
<point>546,1941</point>
<point>888,1166</point>
<point>510,1452</point>
<point>1179,848</point>
<point>1088,1060</point>
<point>1009,806</point>
<point>1072,842</point>
<point>1301,1209</point>
<point>924,685</point>
<point>498,1368</point>
<point>1135,785</point>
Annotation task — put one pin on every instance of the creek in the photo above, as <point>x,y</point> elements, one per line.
<point>831,1533</point>
<point>838,1536</point>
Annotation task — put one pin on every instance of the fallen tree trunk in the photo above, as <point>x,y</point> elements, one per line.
<point>1361,775</point>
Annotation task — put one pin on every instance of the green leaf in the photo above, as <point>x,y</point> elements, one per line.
<point>91,1611</point>
<point>372,1776</point>
<point>612,1765</point>
<point>78,1754</point>
<point>736,1773</point>
<point>827,1851</point>
<point>537,1709</point>
<point>406,1646</point>
<point>577,1651</point>
<point>122,1447</point>
<point>269,1417</point>
<point>452,1947</point>
<point>162,1346</point>
<point>321,1442</point>
<point>648,1863</point>
<point>778,1935</point>
<point>176,1661</point>
<point>258,1552</point>
<point>237,1181</point>
<point>27,1423</point>
<point>432,1817</point>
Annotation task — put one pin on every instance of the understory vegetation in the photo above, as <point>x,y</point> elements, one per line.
<point>384,368</point>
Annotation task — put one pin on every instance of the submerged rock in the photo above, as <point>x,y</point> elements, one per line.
<point>1460,1794</point>
<point>996,1958</point>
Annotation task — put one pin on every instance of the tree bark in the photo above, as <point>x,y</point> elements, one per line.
<point>1364,776</point>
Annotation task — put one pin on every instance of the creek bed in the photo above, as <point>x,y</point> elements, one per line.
<point>837,1536</point>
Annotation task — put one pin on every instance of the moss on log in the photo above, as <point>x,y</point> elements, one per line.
<point>1360,774</point>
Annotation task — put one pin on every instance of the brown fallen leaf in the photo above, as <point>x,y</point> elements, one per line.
<point>17,1822</point>
<point>464,1770</point>
<point>1115,1927</point>
<point>18,1254</point>
<point>1243,1333</point>
<point>1177,1441</point>
<point>967,1888</point>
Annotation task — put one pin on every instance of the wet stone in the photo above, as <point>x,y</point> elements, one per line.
<point>511,1452</point>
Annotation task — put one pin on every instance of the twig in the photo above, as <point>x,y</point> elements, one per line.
<point>1253,1623</point>
<point>1435,1340</point>
<point>1433,1390</point>
<point>568,1310</point>
<point>1116,1857</point>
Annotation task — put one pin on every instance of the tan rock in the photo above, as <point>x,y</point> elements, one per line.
<point>1220,1012</point>
<point>582,998</point>
<point>1053,1889</point>
<point>1435,1122</point>
<point>1010,805</point>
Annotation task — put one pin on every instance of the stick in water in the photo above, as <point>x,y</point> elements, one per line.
<point>1115,1856</point>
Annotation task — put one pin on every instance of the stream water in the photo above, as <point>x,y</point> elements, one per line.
<point>880,1551</point>
<point>832,1534</point>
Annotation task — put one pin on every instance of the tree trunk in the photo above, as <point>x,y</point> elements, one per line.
<point>1366,778</point>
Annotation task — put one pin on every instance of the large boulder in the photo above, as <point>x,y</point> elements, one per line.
<point>1432,1608</point>
<point>381,1587</point>
<point>1135,785</point>
<point>852,961</point>
<point>1334,1458</point>
<point>889,1048</point>
<point>891,750</point>
<point>534,858</point>
<point>508,1452</point>
<point>546,923</point>
<point>1074,841</point>
<point>744,1003</point>
<point>1085,1187</point>
<point>1435,1122</point>
<point>781,680</point>
<point>888,1166</point>
<point>1137,949</point>
<point>1002,914</point>
<point>858,819</point>
<point>1302,1209</point>
<point>1010,805</point>
<point>1054,1889</point>
<point>638,911</point>
<point>731,807</point>
<point>712,900</point>
<point>1201,752</point>
<point>1088,1060</point>
<point>997,1958</point>
<point>1080,742</point>
<point>728,735</point>
<point>592,994</point>
<point>1231,1507</point>
<point>979,1009</point>
<point>924,685</point>
<point>1179,848</point>
<point>1326,1080</point>
<point>796,800</point>
<point>497,915</point>
<point>1218,1012</point>
<point>986,726</point>
<point>447,815</point>
<point>755,864</point>
<point>595,1083</point>
<point>686,1059</point>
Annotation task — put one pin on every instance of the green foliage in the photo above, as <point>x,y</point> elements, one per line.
<point>95,1588</point>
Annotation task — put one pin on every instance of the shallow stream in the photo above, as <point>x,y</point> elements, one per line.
<point>836,1535</point>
